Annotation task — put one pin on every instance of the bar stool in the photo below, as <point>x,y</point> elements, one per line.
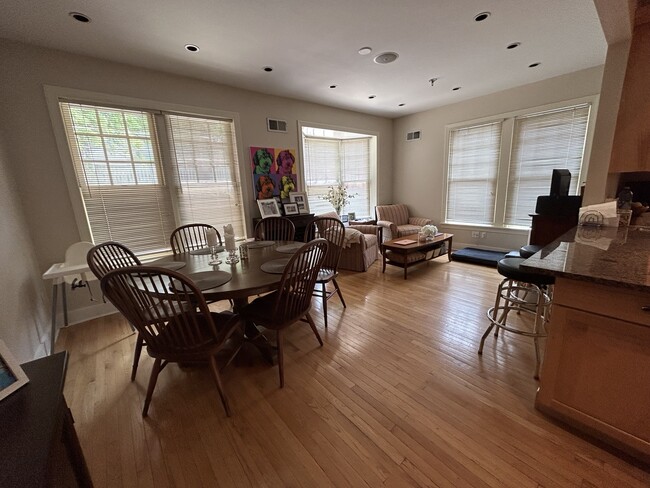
<point>521,291</point>
<point>528,250</point>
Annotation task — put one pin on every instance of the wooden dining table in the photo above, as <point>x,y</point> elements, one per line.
<point>247,278</point>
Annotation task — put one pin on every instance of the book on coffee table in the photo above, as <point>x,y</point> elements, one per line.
<point>405,242</point>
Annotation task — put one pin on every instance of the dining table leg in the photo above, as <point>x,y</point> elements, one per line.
<point>253,335</point>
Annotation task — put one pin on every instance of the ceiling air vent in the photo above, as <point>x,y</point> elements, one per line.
<point>413,136</point>
<point>274,125</point>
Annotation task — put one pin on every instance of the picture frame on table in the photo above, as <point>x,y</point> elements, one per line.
<point>269,208</point>
<point>344,218</point>
<point>12,377</point>
<point>291,209</point>
<point>300,198</point>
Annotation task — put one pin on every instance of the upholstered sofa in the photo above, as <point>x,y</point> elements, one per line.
<point>361,246</point>
<point>396,222</point>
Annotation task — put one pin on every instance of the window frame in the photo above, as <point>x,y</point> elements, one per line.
<point>373,155</point>
<point>507,139</point>
<point>54,94</point>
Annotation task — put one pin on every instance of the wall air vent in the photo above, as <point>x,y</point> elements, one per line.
<point>275,125</point>
<point>413,136</point>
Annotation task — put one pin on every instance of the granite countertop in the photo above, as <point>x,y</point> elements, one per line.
<point>606,255</point>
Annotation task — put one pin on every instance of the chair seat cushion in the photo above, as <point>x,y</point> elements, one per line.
<point>407,230</point>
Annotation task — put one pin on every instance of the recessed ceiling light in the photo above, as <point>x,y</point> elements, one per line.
<point>80,17</point>
<point>401,104</point>
<point>268,69</point>
<point>365,50</point>
<point>332,86</point>
<point>482,16</point>
<point>513,45</point>
<point>385,58</point>
<point>534,65</point>
<point>456,88</point>
<point>192,48</point>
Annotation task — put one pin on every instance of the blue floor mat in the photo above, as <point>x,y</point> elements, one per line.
<point>478,256</point>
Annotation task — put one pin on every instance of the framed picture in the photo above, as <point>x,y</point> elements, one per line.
<point>269,208</point>
<point>291,209</point>
<point>300,199</point>
<point>352,216</point>
<point>344,218</point>
<point>12,376</point>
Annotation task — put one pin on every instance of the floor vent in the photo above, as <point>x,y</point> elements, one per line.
<point>275,125</point>
<point>413,136</point>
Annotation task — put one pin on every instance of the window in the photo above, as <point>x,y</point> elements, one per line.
<point>334,157</point>
<point>497,170</point>
<point>541,143</point>
<point>135,195</point>
<point>472,181</point>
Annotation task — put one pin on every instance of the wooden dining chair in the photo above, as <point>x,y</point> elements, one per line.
<point>106,257</point>
<point>275,229</point>
<point>332,230</point>
<point>191,237</point>
<point>171,314</point>
<point>292,300</point>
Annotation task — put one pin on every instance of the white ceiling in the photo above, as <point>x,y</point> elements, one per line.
<point>313,44</point>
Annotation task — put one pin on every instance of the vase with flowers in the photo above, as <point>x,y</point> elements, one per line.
<point>339,197</point>
<point>428,232</point>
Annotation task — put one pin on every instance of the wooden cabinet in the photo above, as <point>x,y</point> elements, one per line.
<point>38,443</point>
<point>631,147</point>
<point>596,371</point>
<point>299,221</point>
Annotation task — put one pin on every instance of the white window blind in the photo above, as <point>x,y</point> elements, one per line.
<point>472,173</point>
<point>330,161</point>
<point>117,162</point>
<point>206,171</point>
<point>543,142</point>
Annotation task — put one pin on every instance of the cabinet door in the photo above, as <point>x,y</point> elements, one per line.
<point>596,376</point>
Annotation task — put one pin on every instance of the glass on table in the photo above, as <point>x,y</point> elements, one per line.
<point>214,256</point>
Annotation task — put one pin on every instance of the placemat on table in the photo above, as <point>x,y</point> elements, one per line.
<point>204,280</point>
<point>290,248</point>
<point>276,266</point>
<point>172,265</point>
<point>256,244</point>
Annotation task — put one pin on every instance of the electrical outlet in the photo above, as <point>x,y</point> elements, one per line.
<point>483,235</point>
<point>474,233</point>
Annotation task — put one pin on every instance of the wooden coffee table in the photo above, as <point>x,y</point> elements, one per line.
<point>407,251</point>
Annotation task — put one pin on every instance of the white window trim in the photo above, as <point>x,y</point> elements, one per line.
<point>54,93</point>
<point>374,154</point>
<point>506,152</point>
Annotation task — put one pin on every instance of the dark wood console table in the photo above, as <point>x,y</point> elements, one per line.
<point>38,444</point>
<point>299,221</point>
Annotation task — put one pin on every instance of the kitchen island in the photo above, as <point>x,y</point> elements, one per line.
<point>596,370</point>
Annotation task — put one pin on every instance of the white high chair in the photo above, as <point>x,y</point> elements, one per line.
<point>73,271</point>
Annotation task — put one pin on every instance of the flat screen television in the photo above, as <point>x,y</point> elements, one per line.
<point>560,182</point>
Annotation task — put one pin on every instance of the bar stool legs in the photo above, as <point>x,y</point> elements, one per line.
<point>530,298</point>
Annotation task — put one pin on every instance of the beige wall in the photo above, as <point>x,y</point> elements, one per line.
<point>41,193</point>
<point>419,176</point>
<point>23,306</point>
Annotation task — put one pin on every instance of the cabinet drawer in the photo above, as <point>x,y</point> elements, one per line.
<point>619,303</point>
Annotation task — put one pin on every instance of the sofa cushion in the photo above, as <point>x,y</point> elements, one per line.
<point>407,230</point>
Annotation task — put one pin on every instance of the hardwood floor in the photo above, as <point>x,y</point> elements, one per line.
<point>396,397</point>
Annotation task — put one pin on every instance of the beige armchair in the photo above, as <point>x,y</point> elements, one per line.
<point>396,222</point>
<point>361,246</point>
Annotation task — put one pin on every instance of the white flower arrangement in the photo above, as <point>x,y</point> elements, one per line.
<point>429,230</point>
<point>339,197</point>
